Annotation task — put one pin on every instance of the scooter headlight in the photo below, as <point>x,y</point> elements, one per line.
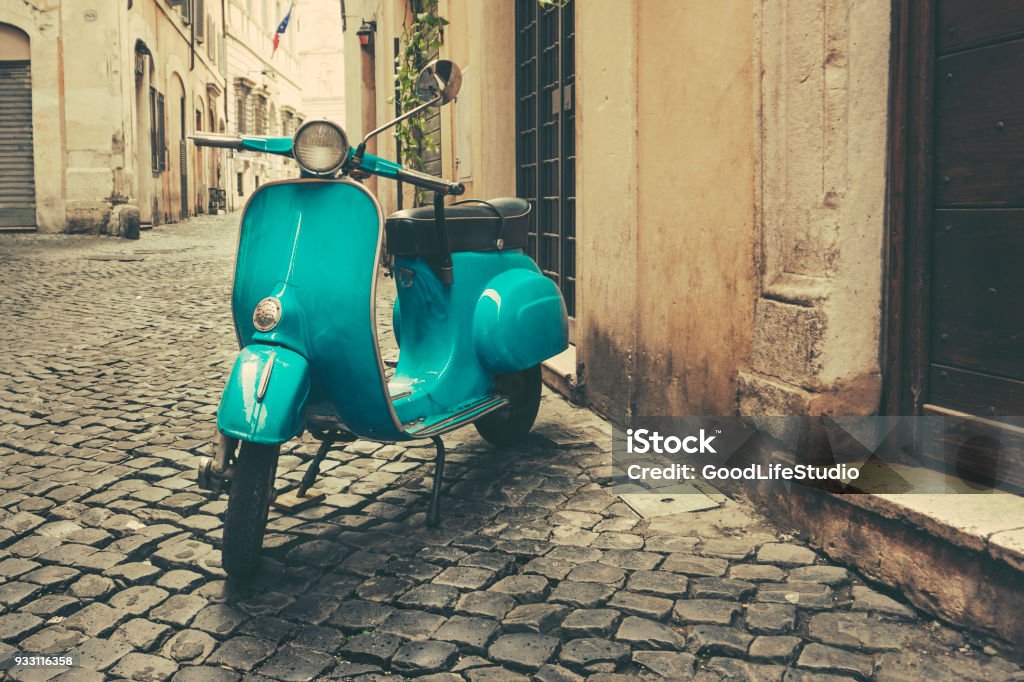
<point>267,314</point>
<point>320,147</point>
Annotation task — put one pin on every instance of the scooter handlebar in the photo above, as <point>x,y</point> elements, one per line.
<point>430,182</point>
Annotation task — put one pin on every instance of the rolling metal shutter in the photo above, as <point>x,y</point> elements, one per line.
<point>17,180</point>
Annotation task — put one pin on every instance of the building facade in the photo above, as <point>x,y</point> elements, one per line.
<point>763,208</point>
<point>99,100</point>
<point>265,89</point>
<point>322,55</point>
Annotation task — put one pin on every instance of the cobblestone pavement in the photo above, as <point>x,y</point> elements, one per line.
<point>115,356</point>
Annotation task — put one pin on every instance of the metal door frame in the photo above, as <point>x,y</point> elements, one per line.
<point>546,137</point>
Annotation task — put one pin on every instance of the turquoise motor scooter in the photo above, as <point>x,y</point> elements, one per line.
<point>474,318</point>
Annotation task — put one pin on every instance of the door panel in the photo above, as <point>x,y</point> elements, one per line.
<point>977,306</point>
<point>979,126</point>
<point>17,167</point>
<point>961,25</point>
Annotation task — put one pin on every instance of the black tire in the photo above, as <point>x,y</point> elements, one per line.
<point>512,423</point>
<point>249,495</point>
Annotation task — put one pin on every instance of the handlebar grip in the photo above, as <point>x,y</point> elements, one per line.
<point>430,182</point>
<point>216,140</point>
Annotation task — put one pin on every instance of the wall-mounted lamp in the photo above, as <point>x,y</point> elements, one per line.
<point>365,33</point>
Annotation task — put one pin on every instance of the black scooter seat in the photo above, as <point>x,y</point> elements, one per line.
<point>473,225</point>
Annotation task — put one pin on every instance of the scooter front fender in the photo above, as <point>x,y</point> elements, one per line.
<point>265,395</point>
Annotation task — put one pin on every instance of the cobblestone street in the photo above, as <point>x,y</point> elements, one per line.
<point>115,357</point>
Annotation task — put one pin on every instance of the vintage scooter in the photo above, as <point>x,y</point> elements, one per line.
<point>474,318</point>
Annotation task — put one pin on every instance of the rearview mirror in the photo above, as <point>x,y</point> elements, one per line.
<point>439,82</point>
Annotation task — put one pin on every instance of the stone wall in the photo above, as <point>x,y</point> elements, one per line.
<point>820,198</point>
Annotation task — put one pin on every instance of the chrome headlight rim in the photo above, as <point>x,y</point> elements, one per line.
<point>326,170</point>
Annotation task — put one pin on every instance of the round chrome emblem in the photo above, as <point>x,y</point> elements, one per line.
<point>267,314</point>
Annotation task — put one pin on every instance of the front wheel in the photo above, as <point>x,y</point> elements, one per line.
<point>512,423</point>
<point>249,495</point>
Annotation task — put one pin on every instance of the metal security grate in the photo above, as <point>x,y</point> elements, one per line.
<point>546,136</point>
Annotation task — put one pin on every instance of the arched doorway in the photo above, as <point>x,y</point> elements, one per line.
<point>177,123</point>
<point>17,167</point>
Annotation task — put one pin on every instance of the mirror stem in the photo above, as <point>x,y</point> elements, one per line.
<point>412,112</point>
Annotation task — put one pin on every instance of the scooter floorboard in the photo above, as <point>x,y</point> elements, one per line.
<point>464,414</point>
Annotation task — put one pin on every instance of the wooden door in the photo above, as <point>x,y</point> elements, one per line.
<point>957,218</point>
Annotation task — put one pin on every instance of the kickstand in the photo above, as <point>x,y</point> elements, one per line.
<point>434,510</point>
<point>309,478</point>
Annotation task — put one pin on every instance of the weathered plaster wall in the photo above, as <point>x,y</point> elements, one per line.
<point>696,220</point>
<point>820,199</point>
<point>607,205</point>
<point>665,134</point>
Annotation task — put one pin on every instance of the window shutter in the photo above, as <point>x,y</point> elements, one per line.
<point>200,20</point>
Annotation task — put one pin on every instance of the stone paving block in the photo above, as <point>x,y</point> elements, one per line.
<point>310,608</point>
<point>295,664</point>
<point>830,575</point>
<point>179,580</point>
<point>437,598</point>
<point>141,633</point>
<point>832,659</point>
<point>556,673</point>
<point>586,651</point>
<point>465,577</point>
<point>409,624</point>
<point>489,604</point>
<point>642,633</point>
<point>736,669</point>
<point>133,572</point>
<point>523,650</point>
<point>189,646</point>
<point>96,619</point>
<point>53,639</point>
<point>581,595</point>
<point>52,576</point>
<point>631,559</point>
<point>657,608</point>
<point>14,593</point>
<point>138,600</point>
<point>99,654</point>
<point>92,587</point>
<point>785,554</point>
<point>721,588</point>
<point>497,562</point>
<point>179,609</point>
<point>671,543</point>
<point>421,658</point>
<point>770,619</point>
<point>495,674</point>
<point>205,673</point>
<point>144,668</point>
<point>267,628</point>
<point>552,569</point>
<point>467,632</point>
<point>538,618</point>
<point>774,648</point>
<point>523,588</point>
<point>660,583</point>
<point>598,573</point>
<point>718,639</point>
<point>241,652</point>
<point>218,619</point>
<point>13,567</point>
<point>52,605</point>
<point>695,565</point>
<point>671,665</point>
<point>804,595</point>
<point>372,647</point>
<point>866,599</point>
<point>757,573</point>
<point>383,588</point>
<point>858,631</point>
<point>590,623</point>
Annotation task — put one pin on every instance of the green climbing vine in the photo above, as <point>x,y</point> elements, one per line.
<point>418,44</point>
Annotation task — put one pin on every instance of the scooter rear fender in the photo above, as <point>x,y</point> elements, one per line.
<point>265,395</point>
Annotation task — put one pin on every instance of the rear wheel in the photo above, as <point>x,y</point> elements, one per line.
<point>249,495</point>
<point>512,423</point>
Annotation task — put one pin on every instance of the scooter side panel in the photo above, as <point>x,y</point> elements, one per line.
<point>520,320</point>
<point>315,245</point>
<point>264,396</point>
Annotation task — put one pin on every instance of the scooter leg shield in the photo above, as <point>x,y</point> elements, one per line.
<point>519,321</point>
<point>265,395</point>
